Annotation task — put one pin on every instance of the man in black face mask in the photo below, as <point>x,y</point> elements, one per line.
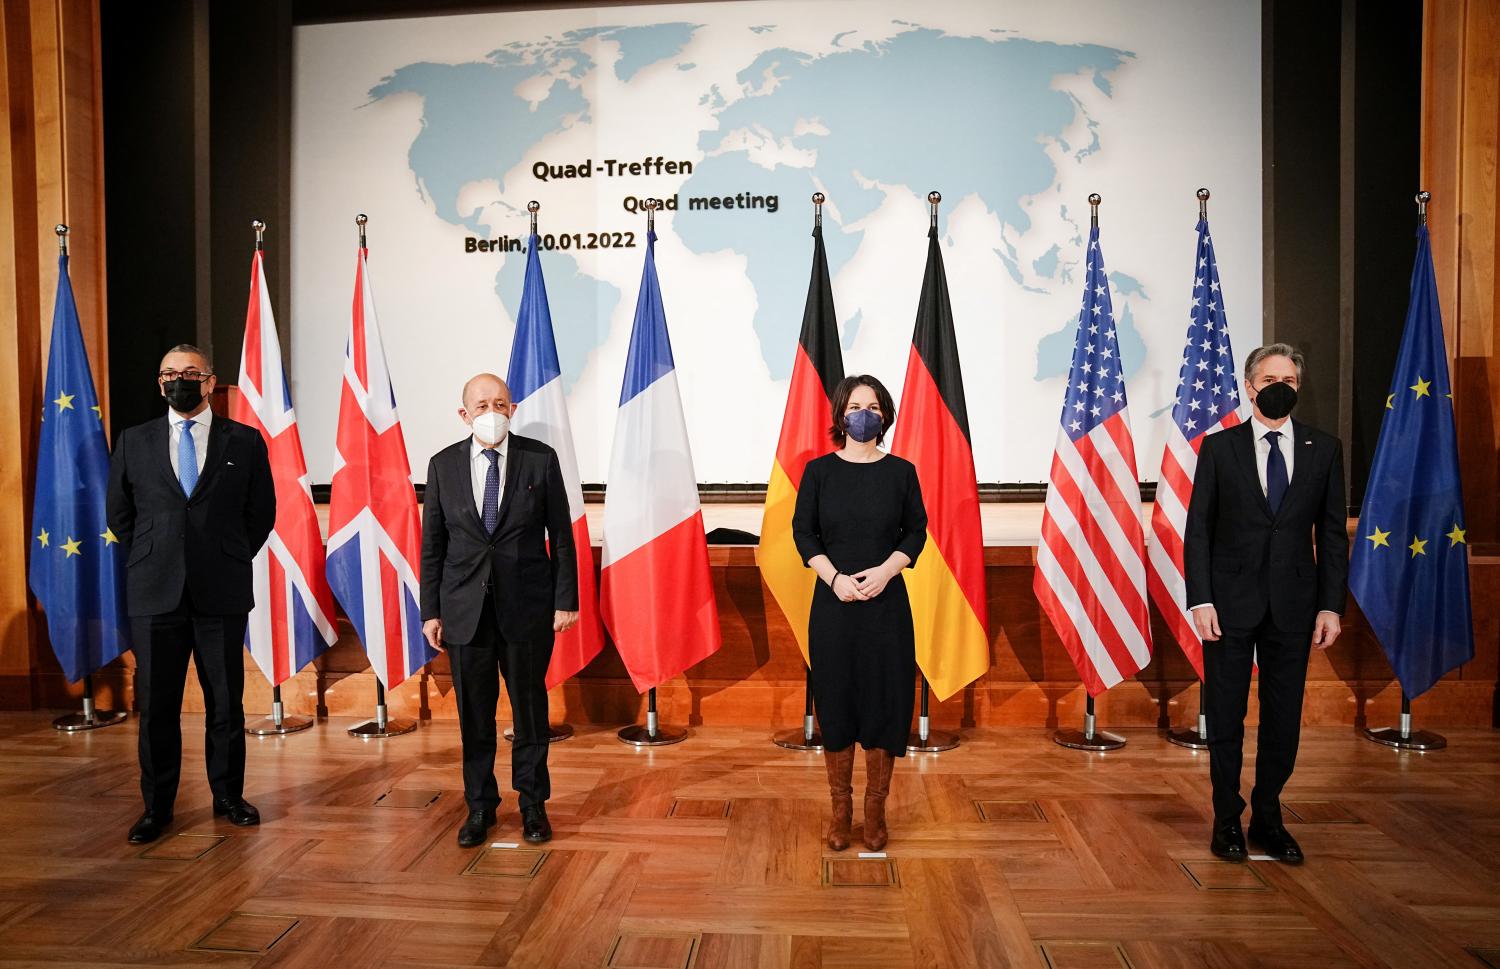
<point>1267,563</point>
<point>191,500</point>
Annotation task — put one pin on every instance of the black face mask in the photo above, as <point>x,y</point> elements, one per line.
<point>1276,400</point>
<point>183,395</point>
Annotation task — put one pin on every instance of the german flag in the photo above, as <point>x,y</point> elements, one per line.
<point>804,436</point>
<point>932,431</point>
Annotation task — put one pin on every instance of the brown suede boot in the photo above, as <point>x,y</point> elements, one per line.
<point>840,766</point>
<point>878,767</point>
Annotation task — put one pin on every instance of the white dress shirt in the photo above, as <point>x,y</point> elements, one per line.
<point>1285,444</point>
<point>200,436</point>
<point>479,470</point>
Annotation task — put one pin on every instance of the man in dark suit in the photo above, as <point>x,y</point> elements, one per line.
<point>1267,562</point>
<point>494,598</point>
<point>191,501</point>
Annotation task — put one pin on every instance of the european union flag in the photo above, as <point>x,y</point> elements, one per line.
<point>1410,567</point>
<point>77,572</point>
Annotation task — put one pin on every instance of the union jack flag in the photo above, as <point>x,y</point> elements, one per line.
<point>292,621</point>
<point>1208,400</point>
<point>375,533</point>
<point>1091,563</point>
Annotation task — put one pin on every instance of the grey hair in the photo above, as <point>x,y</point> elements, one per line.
<point>195,350</point>
<point>1259,354</point>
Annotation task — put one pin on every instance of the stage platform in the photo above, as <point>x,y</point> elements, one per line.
<point>1008,851</point>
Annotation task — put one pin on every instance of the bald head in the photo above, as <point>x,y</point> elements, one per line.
<point>485,387</point>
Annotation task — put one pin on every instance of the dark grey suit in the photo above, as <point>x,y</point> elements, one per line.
<point>496,594</point>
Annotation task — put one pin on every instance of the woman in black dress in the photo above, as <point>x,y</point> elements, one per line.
<point>859,522</point>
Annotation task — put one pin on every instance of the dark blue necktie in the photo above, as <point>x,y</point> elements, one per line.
<point>492,490</point>
<point>1276,479</point>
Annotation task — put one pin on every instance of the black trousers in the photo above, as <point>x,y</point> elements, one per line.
<point>163,645</point>
<point>1227,664</point>
<point>477,668</point>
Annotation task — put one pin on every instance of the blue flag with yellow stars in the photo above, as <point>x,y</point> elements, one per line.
<point>1410,567</point>
<point>77,572</point>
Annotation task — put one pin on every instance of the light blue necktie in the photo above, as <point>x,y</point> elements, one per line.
<point>187,459</point>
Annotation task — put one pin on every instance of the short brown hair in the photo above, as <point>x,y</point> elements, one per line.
<point>845,390</point>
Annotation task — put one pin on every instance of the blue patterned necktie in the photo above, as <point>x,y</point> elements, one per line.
<point>1276,478</point>
<point>187,459</point>
<point>492,490</point>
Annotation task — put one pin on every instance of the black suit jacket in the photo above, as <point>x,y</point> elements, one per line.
<point>1245,560</point>
<point>459,557</point>
<point>205,542</point>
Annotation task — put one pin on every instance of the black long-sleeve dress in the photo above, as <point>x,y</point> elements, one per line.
<point>864,662</point>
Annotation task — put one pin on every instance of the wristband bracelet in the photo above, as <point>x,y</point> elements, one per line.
<point>834,579</point>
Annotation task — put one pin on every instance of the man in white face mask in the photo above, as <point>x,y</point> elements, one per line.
<point>493,597</point>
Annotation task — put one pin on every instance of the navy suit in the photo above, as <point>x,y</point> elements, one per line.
<point>1267,574</point>
<point>189,591</point>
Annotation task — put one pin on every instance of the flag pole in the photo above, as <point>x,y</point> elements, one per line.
<point>278,722</point>
<point>926,740</point>
<point>1089,738</point>
<point>555,731</point>
<point>653,734</point>
<point>1403,737</point>
<point>1195,737</point>
<point>91,717</point>
<point>808,738</point>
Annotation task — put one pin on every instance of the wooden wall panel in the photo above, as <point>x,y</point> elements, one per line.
<point>1460,143</point>
<point>51,163</point>
<point>757,678</point>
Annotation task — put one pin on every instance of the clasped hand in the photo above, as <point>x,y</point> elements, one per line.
<point>862,586</point>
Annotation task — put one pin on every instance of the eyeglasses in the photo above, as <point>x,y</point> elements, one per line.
<point>196,376</point>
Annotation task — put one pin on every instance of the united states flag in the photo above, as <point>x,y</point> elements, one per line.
<point>292,621</point>
<point>1208,400</point>
<point>1091,563</point>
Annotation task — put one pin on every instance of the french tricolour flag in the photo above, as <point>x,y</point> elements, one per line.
<point>375,533</point>
<point>655,593</point>
<point>535,380</point>
<point>292,621</point>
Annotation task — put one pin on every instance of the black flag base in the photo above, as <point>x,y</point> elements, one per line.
<point>382,726</point>
<point>925,740</point>
<point>1195,737</point>
<point>1404,737</point>
<point>1088,738</point>
<point>555,732</point>
<point>653,734</point>
<point>278,722</point>
<point>90,718</point>
<point>808,738</point>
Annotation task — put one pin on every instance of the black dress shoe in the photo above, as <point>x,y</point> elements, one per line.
<point>1228,841</point>
<point>1276,841</point>
<point>240,812</point>
<point>148,828</point>
<point>478,823</point>
<point>534,825</point>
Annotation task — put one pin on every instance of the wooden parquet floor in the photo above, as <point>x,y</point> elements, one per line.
<point>1009,851</point>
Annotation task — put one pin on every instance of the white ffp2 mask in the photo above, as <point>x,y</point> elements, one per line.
<point>491,428</point>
